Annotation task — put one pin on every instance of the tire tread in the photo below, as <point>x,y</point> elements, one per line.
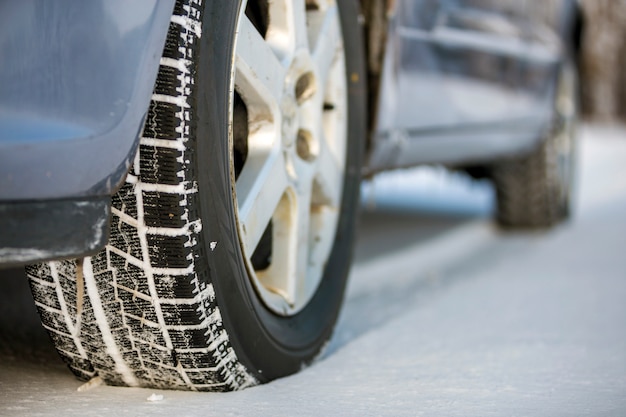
<point>149,316</point>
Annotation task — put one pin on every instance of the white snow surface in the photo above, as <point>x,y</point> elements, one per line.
<point>469,322</point>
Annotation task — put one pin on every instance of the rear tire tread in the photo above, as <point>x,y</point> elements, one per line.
<point>534,191</point>
<point>525,190</point>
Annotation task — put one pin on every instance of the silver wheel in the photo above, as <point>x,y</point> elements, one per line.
<point>290,75</point>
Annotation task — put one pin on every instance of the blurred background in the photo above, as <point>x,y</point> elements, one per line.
<point>603,56</point>
<point>603,60</point>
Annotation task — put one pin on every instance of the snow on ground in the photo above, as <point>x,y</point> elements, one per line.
<point>428,189</point>
<point>466,323</point>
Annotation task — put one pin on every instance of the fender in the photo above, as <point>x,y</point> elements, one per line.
<point>75,85</point>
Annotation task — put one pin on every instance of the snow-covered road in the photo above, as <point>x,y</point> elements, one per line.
<point>444,316</point>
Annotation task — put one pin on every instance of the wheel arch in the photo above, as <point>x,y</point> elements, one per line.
<point>80,89</point>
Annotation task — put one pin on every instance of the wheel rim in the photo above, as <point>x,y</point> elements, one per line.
<point>288,144</point>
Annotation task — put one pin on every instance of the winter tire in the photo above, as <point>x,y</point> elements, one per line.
<point>231,239</point>
<point>534,191</point>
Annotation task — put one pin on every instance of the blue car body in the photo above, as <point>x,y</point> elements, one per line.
<point>75,83</point>
<point>478,75</point>
<point>76,78</point>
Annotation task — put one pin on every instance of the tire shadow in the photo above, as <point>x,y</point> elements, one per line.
<point>23,340</point>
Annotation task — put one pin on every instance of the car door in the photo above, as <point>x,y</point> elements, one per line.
<point>459,66</point>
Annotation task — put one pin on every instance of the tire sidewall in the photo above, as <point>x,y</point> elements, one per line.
<point>269,345</point>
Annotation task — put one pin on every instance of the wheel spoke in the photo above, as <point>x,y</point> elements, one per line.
<point>328,177</point>
<point>287,30</point>
<point>260,187</point>
<point>328,42</point>
<point>301,286</point>
<point>291,239</point>
<point>288,273</point>
<point>323,226</point>
<point>259,73</point>
<point>299,23</point>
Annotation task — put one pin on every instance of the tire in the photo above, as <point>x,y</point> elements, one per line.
<point>534,191</point>
<point>232,237</point>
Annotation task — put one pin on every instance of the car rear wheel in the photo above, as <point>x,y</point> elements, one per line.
<point>232,237</point>
<point>534,190</point>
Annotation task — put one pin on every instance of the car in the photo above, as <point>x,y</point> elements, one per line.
<point>181,177</point>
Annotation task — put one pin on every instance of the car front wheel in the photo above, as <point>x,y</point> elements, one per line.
<point>231,239</point>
